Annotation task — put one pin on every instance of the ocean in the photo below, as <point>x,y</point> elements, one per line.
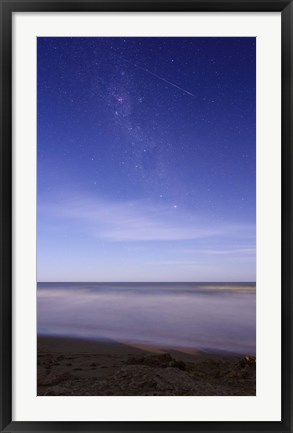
<point>211,317</point>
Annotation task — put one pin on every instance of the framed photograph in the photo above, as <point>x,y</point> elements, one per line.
<point>146,216</point>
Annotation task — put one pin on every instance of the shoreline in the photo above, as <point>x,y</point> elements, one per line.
<point>95,344</point>
<point>76,366</point>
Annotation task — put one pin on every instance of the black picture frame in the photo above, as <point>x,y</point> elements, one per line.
<point>8,7</point>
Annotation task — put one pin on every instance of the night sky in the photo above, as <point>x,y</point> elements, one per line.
<point>146,159</point>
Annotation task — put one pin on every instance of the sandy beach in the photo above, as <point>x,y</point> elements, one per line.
<point>68,367</point>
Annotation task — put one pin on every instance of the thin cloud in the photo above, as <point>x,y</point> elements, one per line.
<point>136,221</point>
<point>236,251</point>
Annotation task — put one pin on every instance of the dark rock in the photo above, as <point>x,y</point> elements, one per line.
<point>134,360</point>
<point>178,364</point>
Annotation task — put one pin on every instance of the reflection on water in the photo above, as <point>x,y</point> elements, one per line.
<point>206,316</point>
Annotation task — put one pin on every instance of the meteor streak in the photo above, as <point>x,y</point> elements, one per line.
<point>135,65</point>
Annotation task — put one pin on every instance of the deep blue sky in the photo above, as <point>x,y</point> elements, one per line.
<point>146,159</point>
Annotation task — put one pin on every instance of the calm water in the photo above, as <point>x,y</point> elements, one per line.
<point>206,316</point>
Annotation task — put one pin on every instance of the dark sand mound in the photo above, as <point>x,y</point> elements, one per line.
<point>75,367</point>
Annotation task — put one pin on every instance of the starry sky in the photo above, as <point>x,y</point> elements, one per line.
<point>146,159</point>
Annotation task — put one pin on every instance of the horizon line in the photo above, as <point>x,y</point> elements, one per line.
<point>150,282</point>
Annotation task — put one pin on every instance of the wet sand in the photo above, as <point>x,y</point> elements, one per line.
<point>69,367</point>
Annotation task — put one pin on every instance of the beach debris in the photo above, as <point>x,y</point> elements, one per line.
<point>247,361</point>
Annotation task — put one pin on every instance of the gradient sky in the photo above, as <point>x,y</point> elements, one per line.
<point>146,159</point>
